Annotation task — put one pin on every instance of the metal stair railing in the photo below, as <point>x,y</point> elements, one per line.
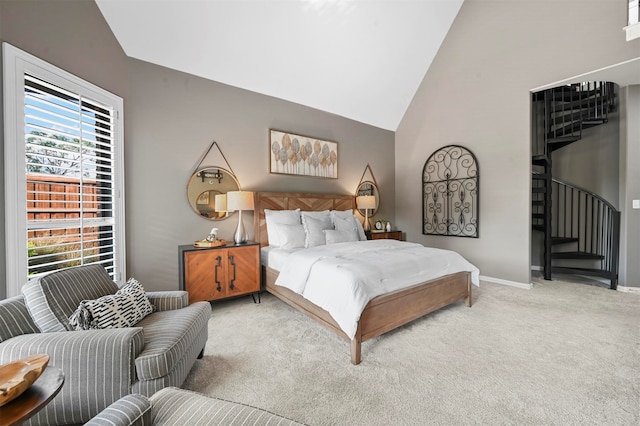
<point>579,213</point>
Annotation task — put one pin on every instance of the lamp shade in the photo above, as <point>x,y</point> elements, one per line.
<point>366,202</point>
<point>239,200</point>
<point>221,202</point>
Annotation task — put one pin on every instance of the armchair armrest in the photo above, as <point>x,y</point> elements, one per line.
<point>130,410</point>
<point>99,368</point>
<point>168,300</point>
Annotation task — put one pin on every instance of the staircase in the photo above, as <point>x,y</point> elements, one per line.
<point>581,230</point>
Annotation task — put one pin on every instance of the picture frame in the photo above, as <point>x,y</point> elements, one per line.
<point>299,155</point>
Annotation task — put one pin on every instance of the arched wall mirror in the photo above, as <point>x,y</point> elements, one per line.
<point>369,188</point>
<point>203,187</point>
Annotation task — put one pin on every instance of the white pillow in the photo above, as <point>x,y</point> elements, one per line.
<point>313,228</point>
<point>281,217</point>
<point>348,226</point>
<point>324,215</point>
<point>334,236</point>
<point>349,214</point>
<point>290,236</point>
<point>361,234</point>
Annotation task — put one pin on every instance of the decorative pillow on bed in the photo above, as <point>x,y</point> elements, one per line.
<point>346,225</point>
<point>313,227</point>
<point>279,217</point>
<point>348,214</point>
<point>123,309</point>
<point>289,236</point>
<point>333,236</point>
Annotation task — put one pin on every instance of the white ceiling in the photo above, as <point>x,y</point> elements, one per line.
<point>359,59</point>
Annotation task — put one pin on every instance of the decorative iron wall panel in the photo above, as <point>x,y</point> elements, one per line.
<point>450,193</point>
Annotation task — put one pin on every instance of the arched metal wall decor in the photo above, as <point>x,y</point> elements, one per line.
<point>450,193</point>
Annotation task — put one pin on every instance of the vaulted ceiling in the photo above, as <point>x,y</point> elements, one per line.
<point>363,60</point>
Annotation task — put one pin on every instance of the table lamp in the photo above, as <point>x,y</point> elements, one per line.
<point>240,200</point>
<point>366,202</point>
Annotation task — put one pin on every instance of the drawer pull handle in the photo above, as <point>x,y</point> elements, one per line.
<point>233,264</point>
<point>218,264</point>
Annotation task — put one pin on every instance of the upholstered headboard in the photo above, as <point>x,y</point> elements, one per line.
<point>292,201</point>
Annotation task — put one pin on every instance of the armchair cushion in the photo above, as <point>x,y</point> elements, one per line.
<point>163,349</point>
<point>52,298</point>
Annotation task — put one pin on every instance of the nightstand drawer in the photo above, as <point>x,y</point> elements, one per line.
<point>390,235</point>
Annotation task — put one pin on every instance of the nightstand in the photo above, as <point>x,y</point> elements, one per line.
<point>216,273</point>
<point>390,235</point>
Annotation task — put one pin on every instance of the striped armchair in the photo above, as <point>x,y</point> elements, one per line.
<point>100,366</point>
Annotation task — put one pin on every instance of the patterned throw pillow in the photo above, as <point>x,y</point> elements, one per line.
<point>123,309</point>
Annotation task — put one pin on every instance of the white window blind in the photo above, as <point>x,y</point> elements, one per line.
<point>69,177</point>
<point>65,156</point>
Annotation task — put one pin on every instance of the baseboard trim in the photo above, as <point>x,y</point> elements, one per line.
<point>524,286</point>
<point>626,289</point>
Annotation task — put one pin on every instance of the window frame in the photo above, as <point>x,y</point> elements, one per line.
<point>17,63</point>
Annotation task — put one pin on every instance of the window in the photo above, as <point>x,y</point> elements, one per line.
<point>63,172</point>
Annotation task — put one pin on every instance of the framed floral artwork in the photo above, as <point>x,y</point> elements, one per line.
<point>300,155</point>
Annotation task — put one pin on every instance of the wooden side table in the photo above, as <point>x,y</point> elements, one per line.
<point>39,394</point>
<point>380,235</point>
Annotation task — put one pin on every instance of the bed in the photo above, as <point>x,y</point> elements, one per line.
<point>383,313</point>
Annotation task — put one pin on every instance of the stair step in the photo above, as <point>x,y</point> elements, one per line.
<point>539,190</point>
<point>582,271</point>
<point>565,129</point>
<point>538,228</point>
<point>537,203</point>
<point>537,215</point>
<point>576,255</point>
<point>557,143</point>
<point>540,160</point>
<point>563,240</point>
<point>594,121</point>
<point>539,176</point>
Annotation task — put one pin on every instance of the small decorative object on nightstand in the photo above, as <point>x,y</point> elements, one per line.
<point>220,272</point>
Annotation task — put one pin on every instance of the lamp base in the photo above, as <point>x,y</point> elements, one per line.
<point>240,236</point>
<point>366,225</point>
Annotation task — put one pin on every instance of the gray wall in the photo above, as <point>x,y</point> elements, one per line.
<point>592,163</point>
<point>170,118</point>
<point>71,35</point>
<point>630,187</point>
<point>476,94</point>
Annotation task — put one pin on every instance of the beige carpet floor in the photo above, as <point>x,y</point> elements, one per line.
<point>560,354</point>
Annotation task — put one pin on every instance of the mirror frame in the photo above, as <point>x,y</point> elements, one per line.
<point>374,191</point>
<point>192,199</point>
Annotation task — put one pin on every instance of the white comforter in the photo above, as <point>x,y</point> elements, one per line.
<point>342,278</point>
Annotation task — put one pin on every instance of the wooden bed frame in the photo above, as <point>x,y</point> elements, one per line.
<point>383,313</point>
